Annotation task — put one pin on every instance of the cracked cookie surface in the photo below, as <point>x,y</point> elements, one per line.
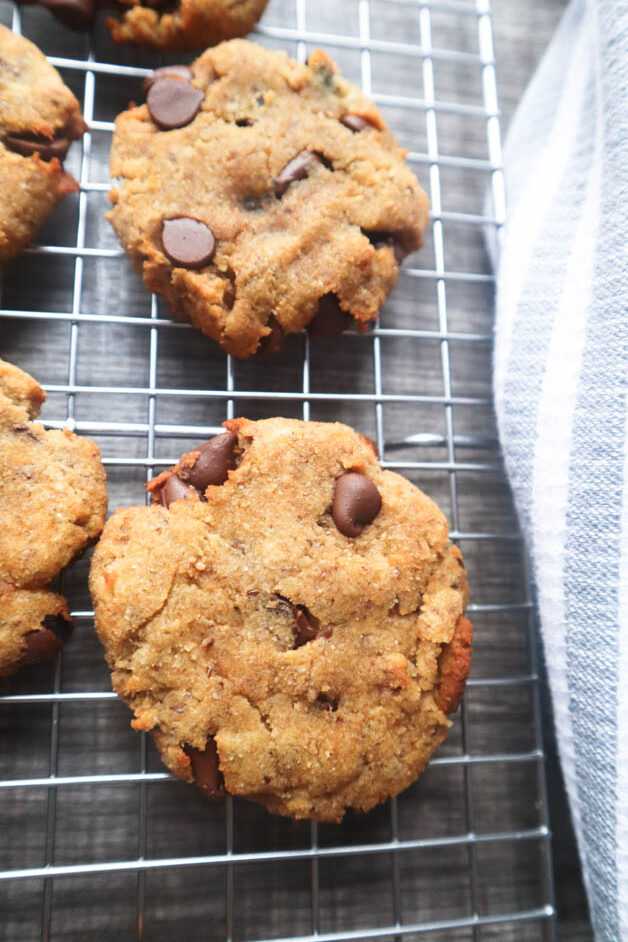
<point>271,654</point>
<point>287,173</point>
<point>52,504</point>
<point>39,118</point>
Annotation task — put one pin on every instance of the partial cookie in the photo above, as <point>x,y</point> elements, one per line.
<point>53,501</point>
<point>286,619</point>
<point>192,24</point>
<point>260,196</point>
<point>39,118</point>
<point>164,24</point>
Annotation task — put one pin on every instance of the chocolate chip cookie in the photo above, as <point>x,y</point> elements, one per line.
<point>163,24</point>
<point>286,619</point>
<point>52,504</point>
<point>260,196</point>
<point>186,24</point>
<point>39,118</point>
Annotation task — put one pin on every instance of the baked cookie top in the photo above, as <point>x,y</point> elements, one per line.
<point>52,504</point>
<point>39,118</point>
<point>286,619</point>
<point>256,193</point>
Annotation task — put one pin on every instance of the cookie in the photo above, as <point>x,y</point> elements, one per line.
<point>52,504</point>
<point>192,24</point>
<point>260,196</point>
<point>39,118</point>
<point>163,24</point>
<point>286,619</point>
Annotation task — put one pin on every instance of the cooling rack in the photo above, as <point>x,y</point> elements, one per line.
<point>96,840</point>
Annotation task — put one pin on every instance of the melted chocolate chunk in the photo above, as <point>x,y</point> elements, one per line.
<point>296,169</point>
<point>214,462</point>
<point>306,626</point>
<point>29,144</point>
<point>356,503</point>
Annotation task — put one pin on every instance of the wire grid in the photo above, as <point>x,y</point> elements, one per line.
<point>395,873</point>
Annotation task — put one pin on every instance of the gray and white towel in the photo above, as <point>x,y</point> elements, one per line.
<point>561,392</point>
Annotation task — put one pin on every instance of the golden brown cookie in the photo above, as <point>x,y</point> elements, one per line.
<point>39,118</point>
<point>260,196</point>
<point>286,619</point>
<point>191,24</point>
<point>163,24</point>
<point>52,504</point>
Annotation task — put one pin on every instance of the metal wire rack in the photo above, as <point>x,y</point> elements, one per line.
<point>98,842</point>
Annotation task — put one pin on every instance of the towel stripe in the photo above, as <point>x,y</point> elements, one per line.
<point>622,713</point>
<point>591,588</point>
<point>561,393</point>
<point>529,209</point>
<point>551,473</point>
<point>594,515</point>
<point>539,305</point>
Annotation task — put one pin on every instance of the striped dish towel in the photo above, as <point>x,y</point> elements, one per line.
<point>561,393</point>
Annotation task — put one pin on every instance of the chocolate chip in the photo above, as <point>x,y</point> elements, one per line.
<point>355,122</point>
<point>245,123</point>
<point>272,342</point>
<point>76,14</point>
<point>174,489</point>
<point>27,145</point>
<point>378,238</point>
<point>188,242</point>
<point>296,169</point>
<point>305,627</point>
<point>173,103</point>
<point>356,503</point>
<point>213,464</point>
<point>207,774</point>
<point>330,320</point>
<point>180,72</point>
